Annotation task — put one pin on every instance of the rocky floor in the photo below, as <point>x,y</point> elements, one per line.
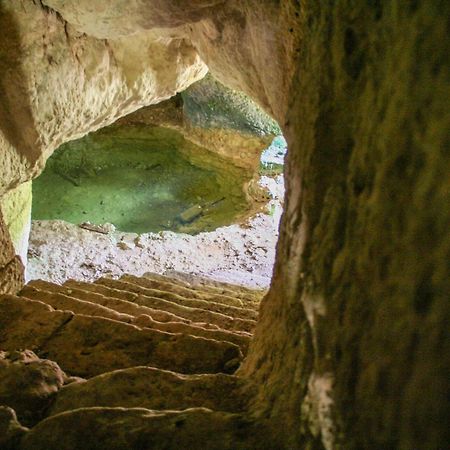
<point>135,363</point>
<point>242,254</point>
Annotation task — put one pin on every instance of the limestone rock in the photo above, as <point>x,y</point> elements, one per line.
<point>28,384</point>
<point>94,81</point>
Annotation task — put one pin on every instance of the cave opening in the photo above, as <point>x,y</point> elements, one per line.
<point>201,174</point>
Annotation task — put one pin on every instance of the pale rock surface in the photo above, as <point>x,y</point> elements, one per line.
<point>68,83</point>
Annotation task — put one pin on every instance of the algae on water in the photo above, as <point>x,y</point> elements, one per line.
<point>141,179</point>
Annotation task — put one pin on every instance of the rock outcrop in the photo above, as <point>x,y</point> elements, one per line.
<point>214,117</point>
<point>58,83</point>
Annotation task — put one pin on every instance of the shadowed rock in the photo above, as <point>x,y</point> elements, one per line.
<point>28,384</point>
<point>152,388</point>
<point>143,429</point>
<point>11,431</point>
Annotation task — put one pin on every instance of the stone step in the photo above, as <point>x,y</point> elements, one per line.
<point>168,284</point>
<point>87,346</point>
<point>28,323</point>
<point>181,301</point>
<point>152,388</point>
<point>61,298</point>
<point>185,314</point>
<point>64,302</point>
<point>144,286</point>
<point>242,340</point>
<point>200,282</point>
<point>140,428</point>
<point>194,314</point>
<point>120,301</point>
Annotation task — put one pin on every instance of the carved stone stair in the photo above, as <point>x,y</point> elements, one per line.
<point>156,355</point>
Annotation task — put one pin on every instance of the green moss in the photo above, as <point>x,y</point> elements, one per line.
<point>271,169</point>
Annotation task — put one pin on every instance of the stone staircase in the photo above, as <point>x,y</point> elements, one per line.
<point>136,363</point>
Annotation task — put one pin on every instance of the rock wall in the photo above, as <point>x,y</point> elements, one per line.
<point>11,267</point>
<point>16,208</point>
<point>352,350</point>
<point>58,83</point>
<point>217,118</point>
<point>352,347</point>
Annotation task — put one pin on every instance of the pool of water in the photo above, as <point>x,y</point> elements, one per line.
<point>141,179</point>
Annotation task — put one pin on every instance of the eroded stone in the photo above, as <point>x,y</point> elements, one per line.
<point>28,384</point>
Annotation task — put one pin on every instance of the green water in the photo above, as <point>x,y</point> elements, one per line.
<point>141,179</point>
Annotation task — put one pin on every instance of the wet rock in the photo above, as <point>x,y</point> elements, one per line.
<point>141,241</point>
<point>127,241</point>
<point>126,245</point>
<point>190,214</point>
<point>103,229</point>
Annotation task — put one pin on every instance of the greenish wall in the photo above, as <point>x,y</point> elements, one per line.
<point>16,208</point>
<point>210,104</point>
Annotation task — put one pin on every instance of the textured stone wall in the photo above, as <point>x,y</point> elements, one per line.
<point>58,83</point>
<point>16,208</point>
<point>11,267</point>
<point>352,350</point>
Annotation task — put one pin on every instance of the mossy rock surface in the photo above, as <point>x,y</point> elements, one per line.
<point>210,104</point>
